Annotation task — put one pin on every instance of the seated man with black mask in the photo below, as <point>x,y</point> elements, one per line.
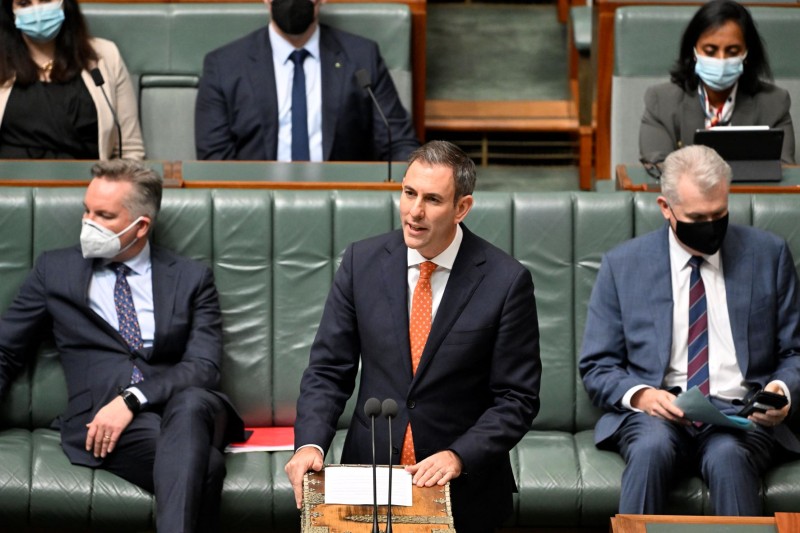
<point>253,104</point>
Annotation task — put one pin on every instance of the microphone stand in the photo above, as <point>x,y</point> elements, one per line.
<point>389,409</point>
<point>372,408</point>
<point>362,76</point>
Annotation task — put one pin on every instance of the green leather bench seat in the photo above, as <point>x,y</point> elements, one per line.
<point>274,254</point>
<point>163,45</point>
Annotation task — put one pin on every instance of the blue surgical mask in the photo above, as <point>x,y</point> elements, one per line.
<point>41,22</point>
<point>719,74</point>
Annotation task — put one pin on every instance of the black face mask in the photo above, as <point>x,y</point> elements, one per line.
<point>705,237</point>
<point>293,17</point>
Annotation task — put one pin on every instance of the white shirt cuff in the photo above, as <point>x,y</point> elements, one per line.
<point>626,400</point>
<point>311,446</point>
<point>136,392</point>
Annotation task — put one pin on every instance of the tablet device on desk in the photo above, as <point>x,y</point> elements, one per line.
<point>753,152</point>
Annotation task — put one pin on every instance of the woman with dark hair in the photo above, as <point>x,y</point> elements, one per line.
<point>50,105</point>
<point>718,80</point>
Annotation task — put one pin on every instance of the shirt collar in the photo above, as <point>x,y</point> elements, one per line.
<point>139,264</point>
<point>282,49</point>
<point>444,259</point>
<point>679,257</point>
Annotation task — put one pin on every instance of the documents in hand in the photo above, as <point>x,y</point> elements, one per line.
<point>352,485</point>
<point>697,408</point>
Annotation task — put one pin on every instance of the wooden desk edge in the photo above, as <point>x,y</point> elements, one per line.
<point>624,183</point>
<point>625,523</point>
<point>296,185</point>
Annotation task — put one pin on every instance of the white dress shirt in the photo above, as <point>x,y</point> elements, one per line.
<point>284,78</point>
<point>444,265</point>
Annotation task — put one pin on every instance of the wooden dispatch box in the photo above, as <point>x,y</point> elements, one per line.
<point>431,511</point>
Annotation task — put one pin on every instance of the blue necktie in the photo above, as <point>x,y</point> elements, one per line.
<point>697,368</point>
<point>126,313</point>
<point>300,150</point>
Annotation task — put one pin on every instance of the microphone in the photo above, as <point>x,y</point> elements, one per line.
<point>389,410</point>
<point>372,408</point>
<point>362,76</point>
<point>97,77</point>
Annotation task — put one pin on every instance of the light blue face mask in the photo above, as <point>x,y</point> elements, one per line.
<point>719,74</point>
<point>40,22</point>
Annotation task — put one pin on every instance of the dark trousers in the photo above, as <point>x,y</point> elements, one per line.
<point>656,452</point>
<point>176,454</point>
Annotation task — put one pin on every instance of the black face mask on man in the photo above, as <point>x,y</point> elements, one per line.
<point>293,17</point>
<point>705,237</point>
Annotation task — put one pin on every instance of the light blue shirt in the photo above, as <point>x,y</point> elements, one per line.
<point>140,279</point>
<point>284,78</point>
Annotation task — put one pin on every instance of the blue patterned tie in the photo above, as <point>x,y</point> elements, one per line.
<point>300,149</point>
<point>697,368</point>
<point>126,313</point>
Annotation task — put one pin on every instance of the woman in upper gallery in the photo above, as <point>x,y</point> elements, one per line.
<point>51,106</point>
<point>718,80</point>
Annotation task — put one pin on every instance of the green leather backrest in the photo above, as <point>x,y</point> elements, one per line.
<point>274,254</point>
<point>646,43</point>
<point>163,46</point>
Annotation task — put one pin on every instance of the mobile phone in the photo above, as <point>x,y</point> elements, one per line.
<point>762,401</point>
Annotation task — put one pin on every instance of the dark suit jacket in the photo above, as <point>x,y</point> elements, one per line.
<point>476,390</point>
<point>236,115</point>
<point>672,115</point>
<point>628,334</point>
<point>186,352</point>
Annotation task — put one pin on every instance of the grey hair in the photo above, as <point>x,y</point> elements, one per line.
<point>147,185</point>
<point>443,153</point>
<point>698,163</point>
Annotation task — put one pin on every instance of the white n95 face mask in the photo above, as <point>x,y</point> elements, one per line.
<point>100,242</point>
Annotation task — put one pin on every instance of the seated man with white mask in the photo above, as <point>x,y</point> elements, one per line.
<point>138,331</point>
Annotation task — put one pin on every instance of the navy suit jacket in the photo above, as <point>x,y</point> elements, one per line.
<point>236,114</point>
<point>672,115</point>
<point>476,390</point>
<point>186,352</point>
<point>628,336</point>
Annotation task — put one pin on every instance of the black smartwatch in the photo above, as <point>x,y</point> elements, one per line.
<point>131,401</point>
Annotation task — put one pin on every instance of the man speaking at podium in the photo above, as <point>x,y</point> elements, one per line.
<point>444,323</point>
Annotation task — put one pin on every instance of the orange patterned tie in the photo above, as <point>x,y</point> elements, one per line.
<point>418,329</point>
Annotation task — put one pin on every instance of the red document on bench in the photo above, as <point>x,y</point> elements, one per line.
<point>264,440</point>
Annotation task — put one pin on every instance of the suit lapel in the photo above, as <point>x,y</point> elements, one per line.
<point>660,295</point>
<point>394,273</point>
<point>262,79</point>
<point>692,118</point>
<point>164,287</point>
<point>464,279</point>
<point>332,62</point>
<point>86,273</point>
<point>744,112</point>
<point>737,266</point>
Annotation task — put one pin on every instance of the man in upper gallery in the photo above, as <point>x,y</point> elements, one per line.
<point>254,103</point>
